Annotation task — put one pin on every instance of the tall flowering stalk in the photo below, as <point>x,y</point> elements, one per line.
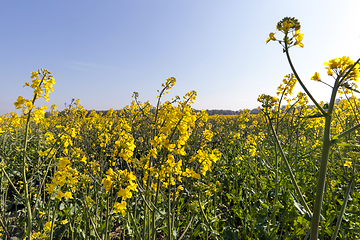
<point>345,72</point>
<point>173,161</point>
<point>42,82</point>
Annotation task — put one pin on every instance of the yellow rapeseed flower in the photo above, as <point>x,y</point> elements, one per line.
<point>34,75</point>
<point>41,214</point>
<point>298,38</point>
<point>340,66</point>
<point>124,193</point>
<point>271,37</point>
<point>68,195</point>
<point>347,164</point>
<point>60,194</point>
<point>47,226</point>
<point>120,207</point>
<point>64,221</point>
<point>107,183</point>
<point>316,77</point>
<point>19,102</point>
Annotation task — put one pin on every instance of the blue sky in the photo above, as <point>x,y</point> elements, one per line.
<point>102,51</point>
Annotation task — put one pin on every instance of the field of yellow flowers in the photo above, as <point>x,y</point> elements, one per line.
<point>170,172</point>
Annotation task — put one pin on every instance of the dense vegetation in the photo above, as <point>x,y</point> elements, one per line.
<point>171,172</point>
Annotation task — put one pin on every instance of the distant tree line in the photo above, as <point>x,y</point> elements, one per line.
<point>219,112</point>
<point>210,112</point>
<point>227,112</point>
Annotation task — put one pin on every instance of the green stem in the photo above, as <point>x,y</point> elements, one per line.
<point>342,211</point>
<point>5,229</point>
<point>292,177</point>
<point>12,184</point>
<point>327,143</point>
<point>169,209</point>
<point>204,215</point>
<point>92,222</point>
<point>27,196</point>
<point>105,233</point>
<point>187,227</point>
<point>53,219</point>
<point>276,183</point>
<point>40,188</point>
<point>136,229</point>
<point>298,78</point>
<point>153,222</point>
<point>26,184</point>
<point>347,132</point>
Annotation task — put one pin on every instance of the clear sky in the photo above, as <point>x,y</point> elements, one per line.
<point>102,51</point>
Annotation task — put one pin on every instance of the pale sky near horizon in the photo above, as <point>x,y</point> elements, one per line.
<point>102,51</point>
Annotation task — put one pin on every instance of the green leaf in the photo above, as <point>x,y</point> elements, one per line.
<point>343,144</point>
<point>298,206</point>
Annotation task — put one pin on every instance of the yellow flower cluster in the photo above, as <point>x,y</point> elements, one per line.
<point>344,70</point>
<point>65,176</point>
<point>176,122</point>
<point>121,178</point>
<point>286,88</point>
<point>206,159</point>
<point>340,66</point>
<point>288,25</point>
<point>39,236</point>
<point>42,82</point>
<point>123,182</point>
<point>87,158</point>
<point>316,77</point>
<point>267,101</point>
<point>120,208</point>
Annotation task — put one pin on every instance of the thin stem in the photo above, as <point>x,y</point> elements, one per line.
<point>326,84</point>
<point>347,132</point>
<point>92,222</point>
<point>153,222</point>
<point>292,177</point>
<point>27,196</point>
<point>105,233</point>
<point>169,209</point>
<point>204,215</point>
<point>327,143</point>
<point>53,219</point>
<point>298,78</point>
<point>40,188</point>
<point>5,229</point>
<point>343,207</point>
<point>12,184</point>
<point>187,227</point>
<point>134,224</point>
<point>26,184</point>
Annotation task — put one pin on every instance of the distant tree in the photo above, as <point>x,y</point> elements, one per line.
<point>255,111</point>
<point>221,112</point>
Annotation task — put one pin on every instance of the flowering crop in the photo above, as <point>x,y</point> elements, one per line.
<point>168,171</point>
<point>346,73</point>
<point>93,172</point>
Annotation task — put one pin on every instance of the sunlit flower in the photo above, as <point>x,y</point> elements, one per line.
<point>271,37</point>
<point>316,77</point>
<point>120,208</point>
<point>347,164</point>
